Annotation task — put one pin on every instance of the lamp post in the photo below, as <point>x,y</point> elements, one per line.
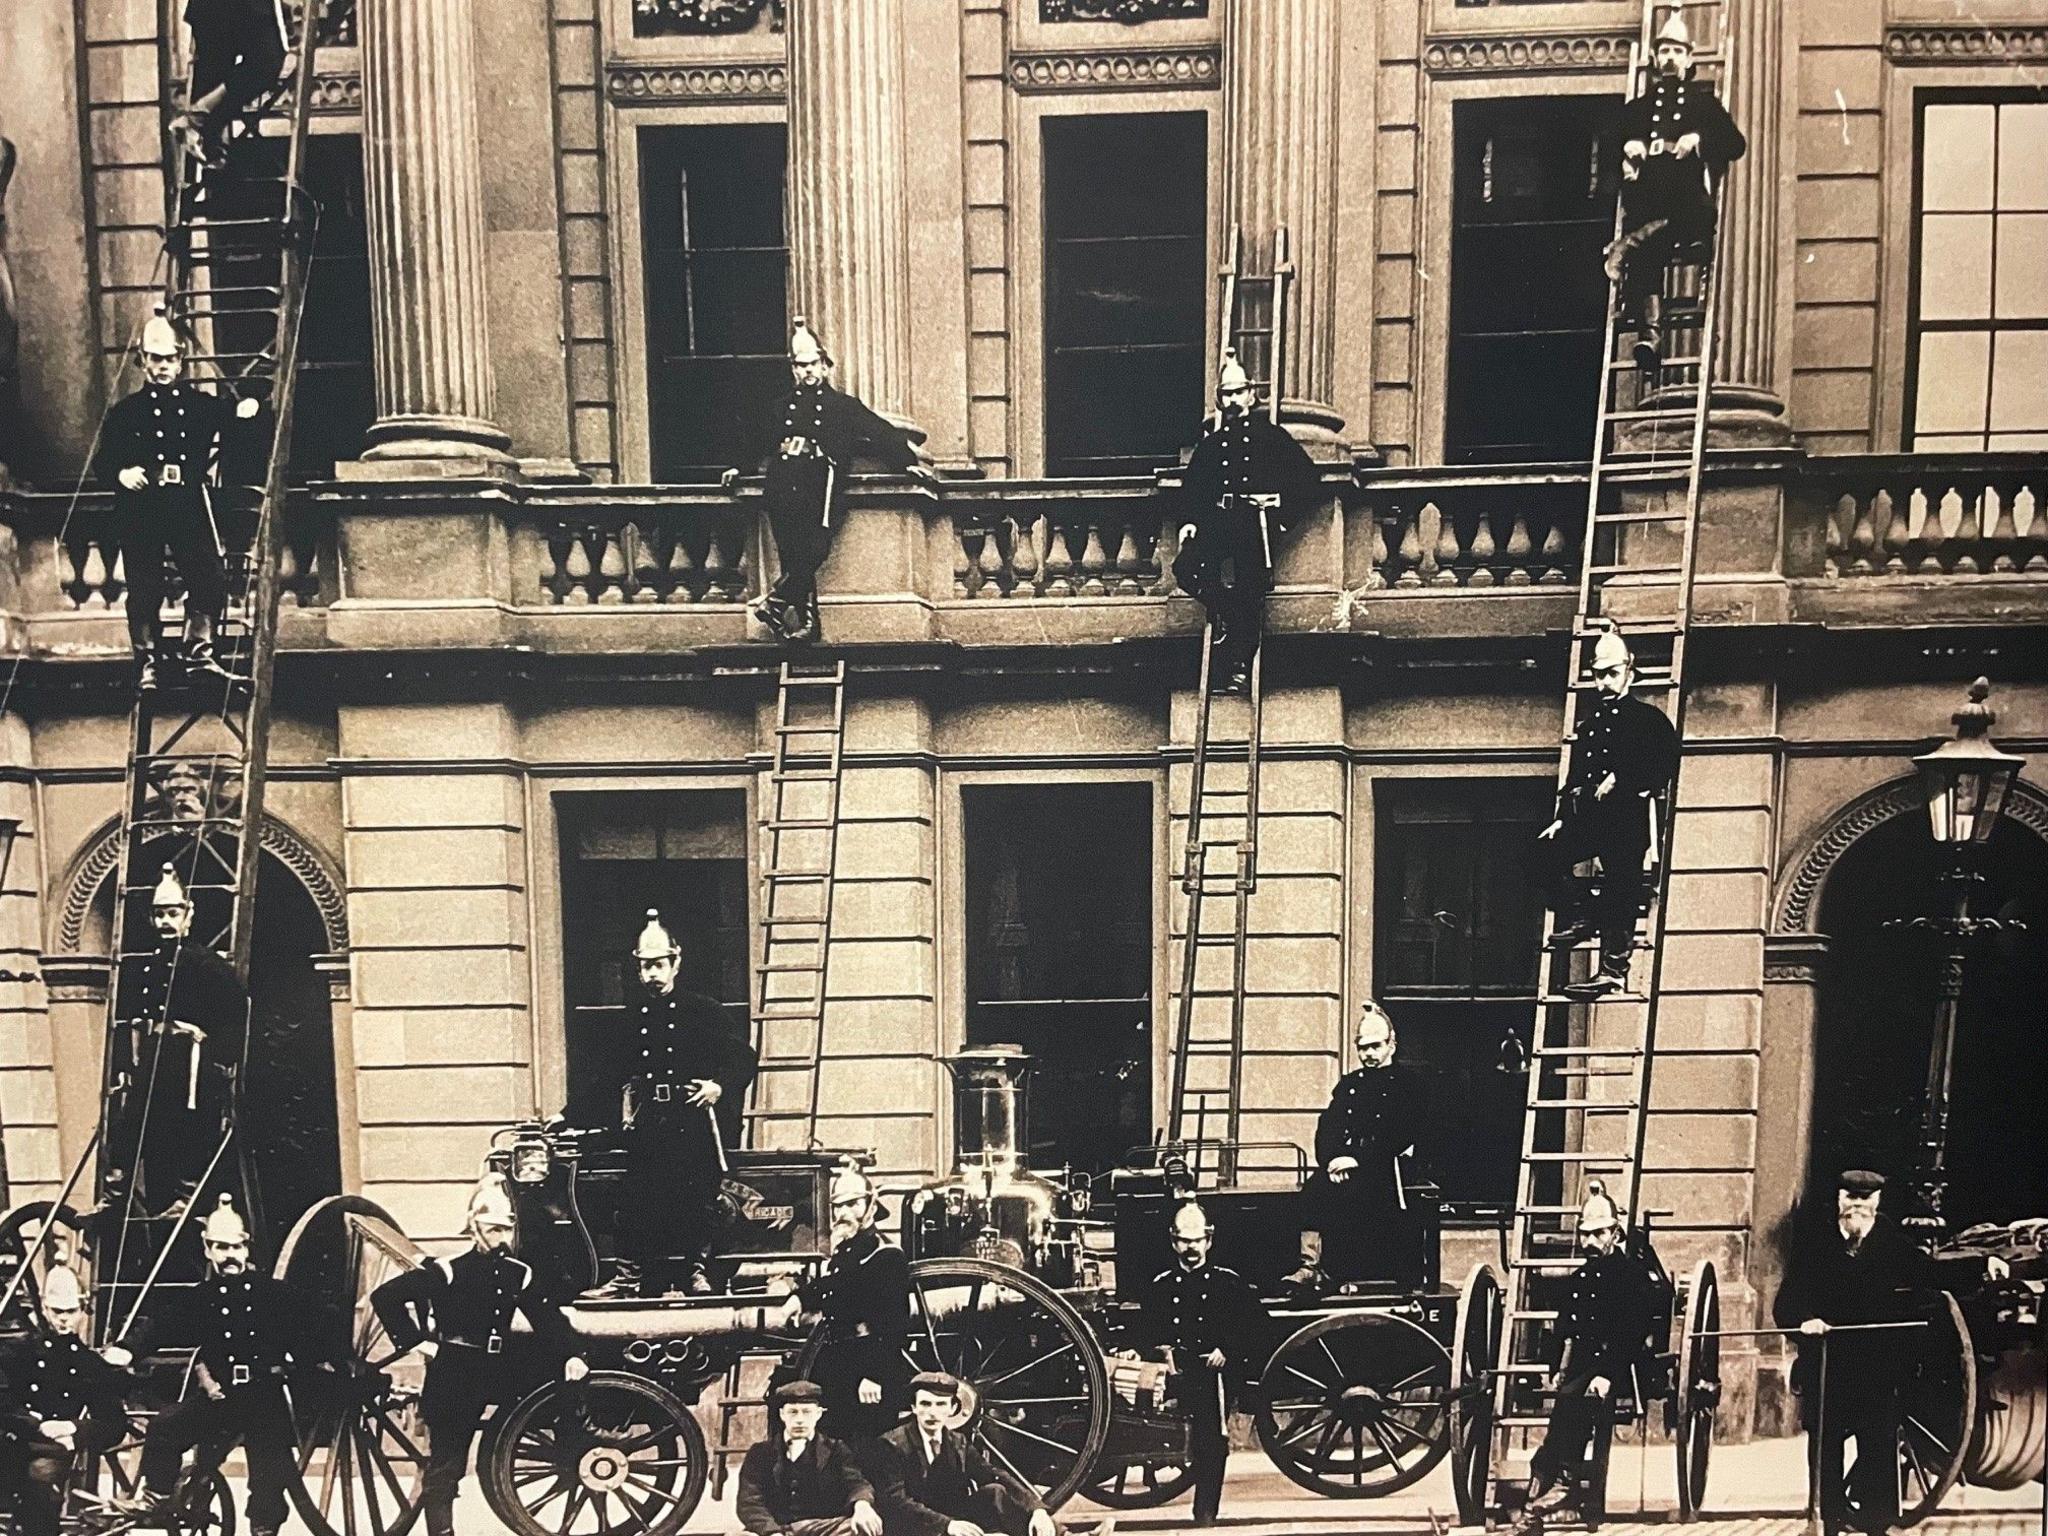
<point>1966,781</point>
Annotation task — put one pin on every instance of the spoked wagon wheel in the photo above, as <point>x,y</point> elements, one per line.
<point>1937,1411</point>
<point>1356,1405</point>
<point>1698,1388</point>
<point>1475,1347</point>
<point>1034,1389</point>
<point>361,1445</point>
<point>20,1230</point>
<point>1136,1484</point>
<point>613,1452</point>
<point>202,1508</point>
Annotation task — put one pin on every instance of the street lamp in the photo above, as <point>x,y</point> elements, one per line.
<point>1966,781</point>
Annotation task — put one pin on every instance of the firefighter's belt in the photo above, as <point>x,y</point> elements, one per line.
<point>171,474</point>
<point>663,1092</point>
<point>801,448</point>
<point>242,1375</point>
<point>494,1345</point>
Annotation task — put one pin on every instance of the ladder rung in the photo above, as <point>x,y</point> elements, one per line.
<point>1588,1052</point>
<point>1560,999</point>
<point>1603,518</point>
<point>1626,569</point>
<point>790,968</point>
<point>1584,1105</point>
<point>798,824</point>
<point>799,874</point>
<point>1615,1160</point>
<point>1560,1266</point>
<point>1533,1314</point>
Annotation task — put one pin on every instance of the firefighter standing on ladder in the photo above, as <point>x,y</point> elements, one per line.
<point>156,450</point>
<point>238,53</point>
<point>185,1019</point>
<point>1678,141</point>
<point>1245,483</point>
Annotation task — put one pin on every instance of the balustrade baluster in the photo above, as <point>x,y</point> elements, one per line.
<point>2005,534</point>
<point>1094,564</point>
<point>963,568</point>
<point>287,573</point>
<point>1932,534</point>
<point>991,561</point>
<point>1164,548</point>
<point>1897,518</point>
<point>1520,547</point>
<point>1862,536</point>
<point>646,569</point>
<point>94,576</point>
<point>611,570</point>
<point>576,566</point>
<point>1552,555</point>
<point>1059,563</point>
<point>1834,541</point>
<point>1969,529</point>
<point>1024,562</point>
<point>70,580</point>
<point>682,570</point>
<point>1129,568</point>
<point>117,581</point>
<point>1411,550</point>
<point>724,579</point>
<point>548,569</point>
<point>1445,555</point>
<point>2034,542</point>
<point>1483,551</point>
<point>736,581</point>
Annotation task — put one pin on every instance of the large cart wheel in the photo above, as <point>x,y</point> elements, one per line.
<point>1035,1391</point>
<point>1356,1405</point>
<point>361,1445</point>
<point>1937,1411</point>
<point>613,1452</point>
<point>202,1508</point>
<point>1136,1484</point>
<point>1698,1389</point>
<point>2010,1446</point>
<point>1475,1348</point>
<point>20,1231</point>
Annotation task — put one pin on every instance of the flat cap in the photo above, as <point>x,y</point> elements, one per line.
<point>1860,1181</point>
<point>935,1381</point>
<point>798,1391</point>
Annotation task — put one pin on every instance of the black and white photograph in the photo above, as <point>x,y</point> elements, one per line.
<point>1023,767</point>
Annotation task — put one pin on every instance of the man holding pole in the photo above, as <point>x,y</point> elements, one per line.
<point>691,1069</point>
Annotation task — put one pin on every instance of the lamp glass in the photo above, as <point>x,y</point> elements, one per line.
<point>1966,792</point>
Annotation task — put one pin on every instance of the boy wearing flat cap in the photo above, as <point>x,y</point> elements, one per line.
<point>933,1482</point>
<point>798,1482</point>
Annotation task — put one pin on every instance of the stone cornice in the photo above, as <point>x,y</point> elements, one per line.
<point>1983,44</point>
<point>762,80</point>
<point>336,93</point>
<point>1533,53</point>
<point>1195,67</point>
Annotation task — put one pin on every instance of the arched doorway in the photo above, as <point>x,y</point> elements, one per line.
<point>290,1111</point>
<point>1877,992</point>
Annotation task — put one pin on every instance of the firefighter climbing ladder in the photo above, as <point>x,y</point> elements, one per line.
<point>1590,1063</point>
<point>1220,867</point>
<point>799,857</point>
<point>236,249</point>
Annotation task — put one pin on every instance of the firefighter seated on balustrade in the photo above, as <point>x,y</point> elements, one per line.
<point>1362,1207</point>
<point>1677,142</point>
<point>1604,1328</point>
<point>1244,485</point>
<point>61,1403</point>
<point>238,54</point>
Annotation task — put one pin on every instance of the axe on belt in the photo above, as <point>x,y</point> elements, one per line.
<point>717,1138</point>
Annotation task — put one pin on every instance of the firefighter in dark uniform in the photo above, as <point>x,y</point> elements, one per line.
<point>252,1334</point>
<point>1210,1323</point>
<point>1623,761</point>
<point>1858,1268</point>
<point>458,1313</point>
<point>1361,1211</point>
<point>690,1070</point>
<point>862,1297</point>
<point>155,449</point>
<point>60,1403</point>
<point>1677,143</point>
<point>184,1019</point>
<point>1603,1333</point>
<point>1244,485</point>
<point>238,53</point>
<point>819,432</point>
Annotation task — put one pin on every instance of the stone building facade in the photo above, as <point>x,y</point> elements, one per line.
<point>518,696</point>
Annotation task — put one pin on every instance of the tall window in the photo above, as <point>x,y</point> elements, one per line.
<point>1533,206</point>
<point>1126,279</point>
<point>336,399</point>
<point>683,853</point>
<point>1456,927</point>
<point>1979,352</point>
<point>1059,957</point>
<point>717,306</point>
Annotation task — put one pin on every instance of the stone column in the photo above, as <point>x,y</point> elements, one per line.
<point>1746,405</point>
<point>423,166</point>
<point>848,214</point>
<point>1280,155</point>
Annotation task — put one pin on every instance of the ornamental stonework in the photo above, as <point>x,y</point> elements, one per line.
<point>1965,45</point>
<point>698,82</point>
<point>1130,12</point>
<point>1152,68</point>
<point>1506,55</point>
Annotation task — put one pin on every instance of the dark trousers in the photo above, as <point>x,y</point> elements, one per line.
<point>255,1416</point>
<point>994,1509</point>
<point>245,65</point>
<point>1366,1234</point>
<point>1617,840</point>
<point>1867,1411</point>
<point>666,1200</point>
<point>797,495</point>
<point>1573,1419</point>
<point>1670,196</point>
<point>1204,1397</point>
<point>177,521</point>
<point>1230,581</point>
<point>33,1474</point>
<point>462,1385</point>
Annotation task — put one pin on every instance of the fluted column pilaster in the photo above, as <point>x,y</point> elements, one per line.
<point>847,211</point>
<point>1280,157</point>
<point>423,166</point>
<point>1746,400</point>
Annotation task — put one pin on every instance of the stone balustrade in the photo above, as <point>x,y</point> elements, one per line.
<point>1463,528</point>
<point>680,549</point>
<point>1889,516</point>
<point>1043,539</point>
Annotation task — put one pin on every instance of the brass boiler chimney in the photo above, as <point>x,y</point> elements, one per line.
<point>991,1106</point>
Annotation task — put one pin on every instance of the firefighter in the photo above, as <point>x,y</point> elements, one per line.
<point>155,450</point>
<point>1623,761</point>
<point>1604,1332</point>
<point>801,1482</point>
<point>1210,1324</point>
<point>458,1314</point>
<point>818,433</point>
<point>61,1402</point>
<point>1244,485</point>
<point>238,54</point>
<point>862,1296</point>
<point>1677,143</point>
<point>252,1333</point>
<point>185,1021</point>
<point>1361,1209</point>
<point>689,1077</point>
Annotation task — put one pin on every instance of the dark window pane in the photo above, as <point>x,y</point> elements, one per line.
<point>1126,274</point>
<point>1533,193</point>
<point>337,399</point>
<point>717,306</point>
